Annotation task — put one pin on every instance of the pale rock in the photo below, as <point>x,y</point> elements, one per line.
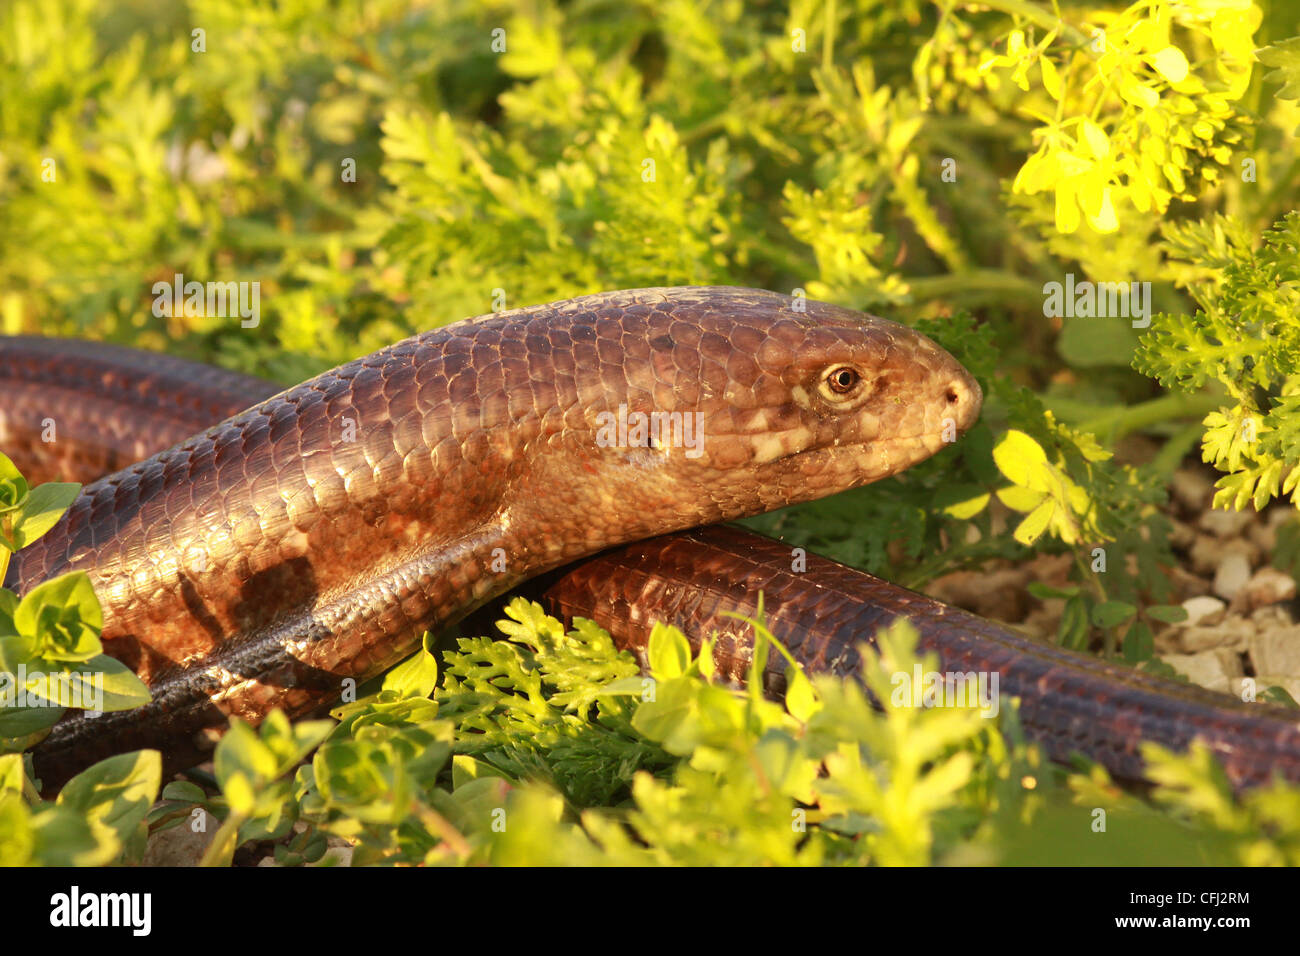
<point>1271,617</point>
<point>1267,586</point>
<point>1263,534</point>
<point>1215,670</point>
<point>177,846</point>
<point>1275,653</point>
<point>1000,595</point>
<point>1233,633</point>
<point>1225,524</point>
<point>1186,583</point>
<point>1044,622</point>
<point>340,855</point>
<point>1231,575</point>
<point>1292,686</point>
<point>1207,553</point>
<point>1191,489</point>
<point>1203,610</point>
<point>1168,641</point>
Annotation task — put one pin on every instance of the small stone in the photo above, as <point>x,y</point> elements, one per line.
<point>1181,535</point>
<point>1191,489</point>
<point>1276,653</point>
<point>1204,610</point>
<point>338,855</point>
<point>999,595</point>
<point>1263,535</point>
<point>1233,633</point>
<point>1215,670</point>
<point>1044,622</point>
<point>1207,553</point>
<point>1267,586</point>
<point>1225,524</point>
<point>1186,583</point>
<point>1271,617</point>
<point>177,846</point>
<point>1231,575</point>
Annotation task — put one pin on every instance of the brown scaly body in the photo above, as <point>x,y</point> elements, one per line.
<point>314,536</point>
<point>1070,703</point>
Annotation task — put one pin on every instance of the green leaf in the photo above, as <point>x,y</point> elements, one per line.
<point>11,773</point>
<point>184,791</point>
<point>1111,613</point>
<point>1284,57</point>
<point>122,688</point>
<point>800,698</point>
<point>22,727</point>
<point>102,683</point>
<point>239,792</point>
<point>465,768</point>
<point>1167,613</point>
<point>478,799</point>
<point>17,650</point>
<point>1044,591</point>
<point>13,488</point>
<point>1021,460</point>
<point>17,841</point>
<point>115,795</point>
<point>1095,342</point>
<point>672,718</point>
<point>417,676</point>
<point>1139,643</point>
<point>962,502</point>
<point>64,615</point>
<point>668,652</point>
<point>1073,630</point>
<point>1020,499</point>
<point>63,837</point>
<point>43,509</point>
<point>242,753</point>
<point>1032,528</point>
<point>1280,696</point>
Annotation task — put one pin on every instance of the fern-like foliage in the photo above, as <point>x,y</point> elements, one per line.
<point>1244,338</point>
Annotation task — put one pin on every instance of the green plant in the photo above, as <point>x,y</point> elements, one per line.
<point>51,657</point>
<point>1244,337</point>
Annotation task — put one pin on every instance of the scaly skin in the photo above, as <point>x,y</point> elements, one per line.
<point>316,535</point>
<point>1070,703</point>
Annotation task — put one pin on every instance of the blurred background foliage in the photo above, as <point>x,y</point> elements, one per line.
<point>793,147</point>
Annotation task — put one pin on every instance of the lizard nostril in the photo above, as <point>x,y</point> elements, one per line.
<point>952,395</point>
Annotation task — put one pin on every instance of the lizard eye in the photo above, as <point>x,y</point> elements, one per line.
<point>841,381</point>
